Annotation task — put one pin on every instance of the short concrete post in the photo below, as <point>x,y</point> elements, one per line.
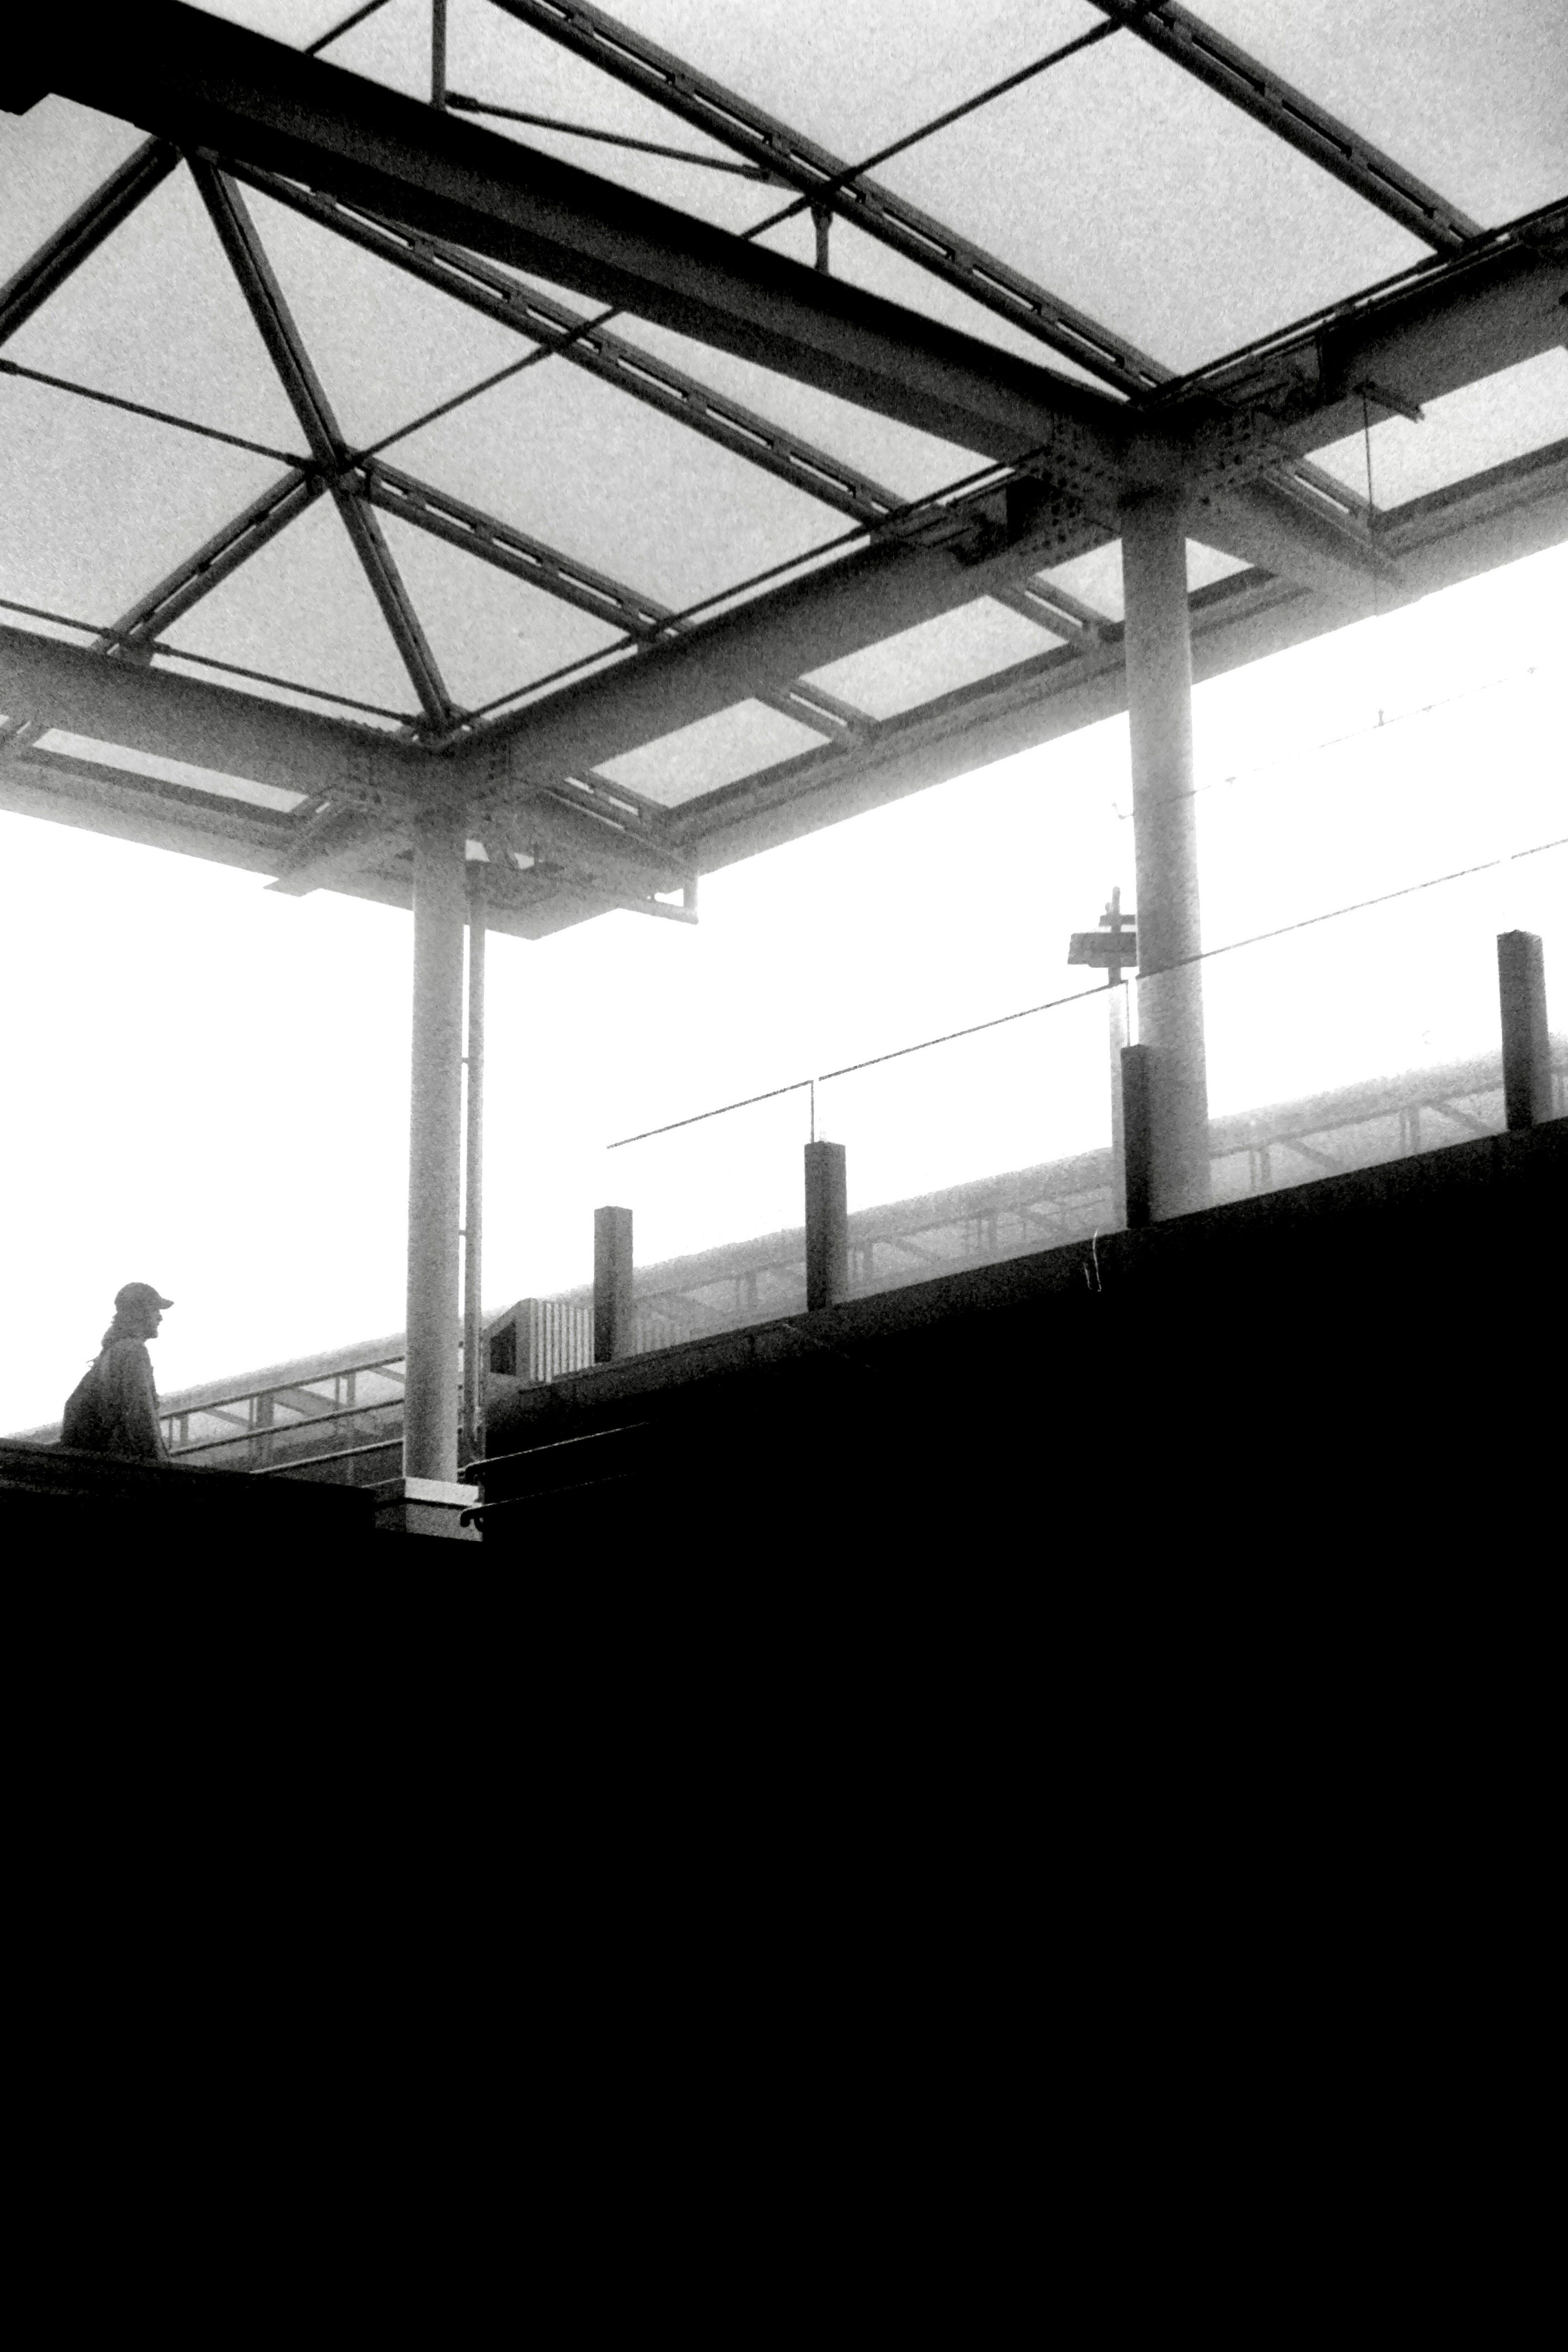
<point>615,1323</point>
<point>826,1225</point>
<point>1526,1043</point>
<point>1136,1139</point>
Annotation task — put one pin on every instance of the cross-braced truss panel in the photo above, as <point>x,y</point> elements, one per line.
<point>736,399</point>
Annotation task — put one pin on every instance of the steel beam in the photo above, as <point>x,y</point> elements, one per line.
<point>77,239</point>
<point>1427,331</point>
<point>551,326</point>
<point>1295,119</point>
<point>1495,518</point>
<point>226,91</point>
<point>181,717</point>
<point>228,549</point>
<point>500,543</point>
<point>1448,537</point>
<point>264,296</point>
<point>868,596</point>
<point>833,184</point>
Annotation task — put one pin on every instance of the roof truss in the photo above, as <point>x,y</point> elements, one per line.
<point>445,201</point>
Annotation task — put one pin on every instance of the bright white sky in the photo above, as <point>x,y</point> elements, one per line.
<point>208,1083</point>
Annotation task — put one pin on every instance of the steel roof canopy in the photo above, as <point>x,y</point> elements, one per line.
<point>1045,450</point>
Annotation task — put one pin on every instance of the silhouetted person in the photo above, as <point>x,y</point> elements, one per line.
<point>115,1408</point>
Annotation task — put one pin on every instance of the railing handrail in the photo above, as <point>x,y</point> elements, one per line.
<point>344,1454</point>
<point>272,1378</point>
<point>275,1428</point>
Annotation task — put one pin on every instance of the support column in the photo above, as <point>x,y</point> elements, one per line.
<point>434,1150</point>
<point>474,1365</point>
<point>1165,840</point>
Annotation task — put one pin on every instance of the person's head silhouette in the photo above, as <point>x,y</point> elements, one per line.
<point>139,1310</point>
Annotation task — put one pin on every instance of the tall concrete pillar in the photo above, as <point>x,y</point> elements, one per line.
<point>1165,841</point>
<point>435,1148</point>
<point>474,1366</point>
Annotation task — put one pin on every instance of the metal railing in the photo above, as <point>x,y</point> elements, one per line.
<point>346,1421</point>
<point>289,1420</point>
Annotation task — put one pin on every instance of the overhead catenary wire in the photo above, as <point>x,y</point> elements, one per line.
<point>1379,726</point>
<point>1091,995</point>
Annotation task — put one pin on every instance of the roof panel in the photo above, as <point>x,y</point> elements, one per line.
<point>98,506</point>
<point>710,753</point>
<point>392,46</point>
<point>616,485</point>
<point>1095,580</point>
<point>1166,214</point>
<point>490,633</point>
<point>1207,564</point>
<point>973,642</point>
<point>855,74</point>
<point>155,315</point>
<point>302,609</point>
<point>386,347</point>
<point>1473,99</point>
<point>51,159</point>
<point>1503,416</point>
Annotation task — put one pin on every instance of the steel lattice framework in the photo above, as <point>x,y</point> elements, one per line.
<point>429,191</point>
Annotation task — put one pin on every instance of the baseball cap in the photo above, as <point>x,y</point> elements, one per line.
<point>141,1294</point>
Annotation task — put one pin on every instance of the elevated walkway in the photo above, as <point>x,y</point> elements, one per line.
<point>338,1415</point>
<point>1370,1359</point>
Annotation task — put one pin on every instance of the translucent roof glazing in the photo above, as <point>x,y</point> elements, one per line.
<point>257,433</point>
<point>1475,99</point>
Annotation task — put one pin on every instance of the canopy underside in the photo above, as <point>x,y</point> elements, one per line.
<point>596,420</point>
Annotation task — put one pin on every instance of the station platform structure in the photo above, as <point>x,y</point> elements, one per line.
<point>1336,1404</point>
<point>337,1416</point>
